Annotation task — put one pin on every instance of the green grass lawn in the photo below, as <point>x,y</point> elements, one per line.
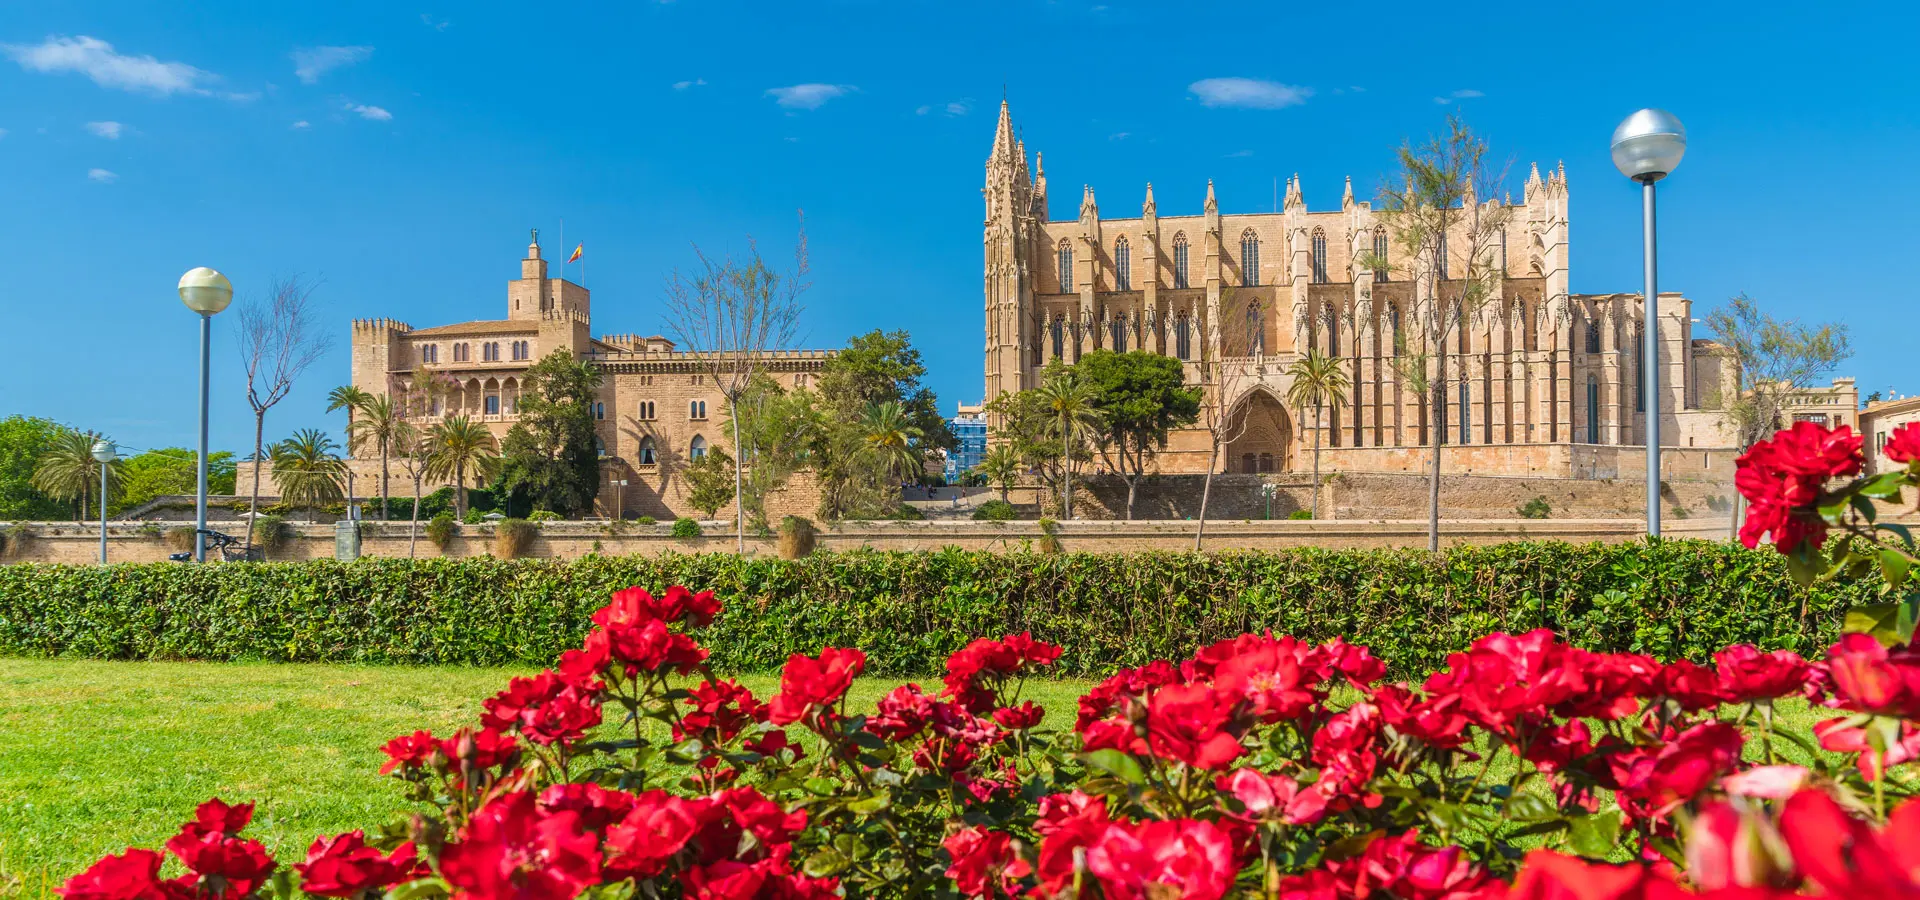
<point>97,756</point>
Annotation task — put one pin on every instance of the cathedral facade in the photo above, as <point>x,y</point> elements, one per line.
<point>1542,381</point>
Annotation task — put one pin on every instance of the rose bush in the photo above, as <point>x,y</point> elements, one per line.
<point>1260,766</point>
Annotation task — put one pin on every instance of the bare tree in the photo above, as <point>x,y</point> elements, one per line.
<point>727,315</point>
<point>1223,377</point>
<point>1772,359</point>
<point>279,339</point>
<point>1449,245</point>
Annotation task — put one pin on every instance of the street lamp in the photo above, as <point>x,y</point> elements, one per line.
<point>1646,148</point>
<point>205,292</point>
<point>103,453</point>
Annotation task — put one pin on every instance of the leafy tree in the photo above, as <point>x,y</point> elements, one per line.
<point>776,430</point>
<point>1074,418</point>
<point>550,455</point>
<point>379,423</point>
<point>308,471</point>
<point>1141,397</point>
<point>710,481</point>
<point>1026,426</point>
<point>883,367</point>
<point>67,471</point>
<point>1001,467</point>
<point>893,440</point>
<point>870,425</point>
<point>172,471</point>
<point>23,440</point>
<point>456,446</point>
<point>1319,383</point>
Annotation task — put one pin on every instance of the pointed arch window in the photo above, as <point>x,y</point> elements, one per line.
<point>1319,256</point>
<point>1183,337</point>
<point>1122,265</point>
<point>647,457</point>
<point>1593,410</point>
<point>1249,259</point>
<point>1059,330</point>
<point>1065,254</point>
<point>1381,267</point>
<point>1256,329</point>
<point>1639,368</point>
<point>697,449</point>
<point>1333,331</point>
<point>1117,330</point>
<point>1593,335</point>
<point>1180,260</point>
<point>1441,261</point>
<point>1466,414</point>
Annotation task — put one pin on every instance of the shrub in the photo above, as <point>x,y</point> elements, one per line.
<point>995,511</point>
<point>644,520</point>
<point>270,532</point>
<point>543,515</point>
<point>1049,536</point>
<point>1300,514</point>
<point>440,530</point>
<point>473,517</point>
<point>179,538</point>
<point>512,537</point>
<point>684,527</point>
<point>15,539</point>
<point>1537,508</point>
<point>796,537</point>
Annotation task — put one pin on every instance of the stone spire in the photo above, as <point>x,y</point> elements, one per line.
<point>1148,208</point>
<point>1346,199</point>
<point>1088,208</point>
<point>1293,197</point>
<point>1212,205</point>
<point>1003,139</point>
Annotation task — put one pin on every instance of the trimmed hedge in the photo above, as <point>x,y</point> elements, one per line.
<point>909,611</point>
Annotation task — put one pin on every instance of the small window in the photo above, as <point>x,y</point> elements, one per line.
<point>1593,410</point>
<point>1180,260</point>
<point>646,452</point>
<point>1333,331</point>
<point>1182,337</point>
<point>1065,254</point>
<point>645,412</point>
<point>599,411</point>
<point>1466,415</point>
<point>1442,258</point>
<point>1319,256</point>
<point>1249,463</point>
<point>1249,259</point>
<point>1059,329</point>
<point>1593,336</point>
<point>1639,368</point>
<point>1256,329</point>
<point>493,404</point>
<point>697,449</point>
<point>1399,337</point>
<point>696,409</point>
<point>1122,265</point>
<point>1117,330</point>
<point>1380,254</point>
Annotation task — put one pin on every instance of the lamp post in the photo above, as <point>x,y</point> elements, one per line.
<point>1646,148</point>
<point>103,453</point>
<point>205,292</point>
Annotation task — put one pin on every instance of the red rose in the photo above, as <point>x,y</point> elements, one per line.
<point>344,866</point>
<point>635,606</point>
<point>1547,875</point>
<point>1273,797</point>
<point>1655,784</point>
<point>1747,674</point>
<point>1190,859</point>
<point>224,866</point>
<point>512,851</point>
<point>1190,723</point>
<point>722,707</point>
<point>1903,446</point>
<point>1275,675</point>
<point>771,743</point>
<point>649,647</point>
<point>976,671</point>
<point>409,750</point>
<point>217,817</point>
<point>1020,718</point>
<point>1782,478</point>
<point>1122,687</point>
<point>1067,824</point>
<point>760,817</point>
<point>902,713</point>
<point>483,749</point>
<point>133,875</point>
<point>1869,678</point>
<point>1690,685</point>
<point>809,685</point>
<point>1438,721</point>
<point>657,827</point>
<point>1357,663</point>
<point>1844,855</point>
<point>981,860</point>
<point>583,666</point>
<point>545,708</point>
<point>768,879</point>
<point>598,807</point>
<point>1834,735</point>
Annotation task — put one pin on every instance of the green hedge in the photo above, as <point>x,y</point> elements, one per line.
<point>910,610</point>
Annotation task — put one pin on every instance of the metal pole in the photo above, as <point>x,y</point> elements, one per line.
<point>200,501</point>
<point>103,513</point>
<point>1650,379</point>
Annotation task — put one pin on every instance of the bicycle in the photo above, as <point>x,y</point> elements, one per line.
<point>229,547</point>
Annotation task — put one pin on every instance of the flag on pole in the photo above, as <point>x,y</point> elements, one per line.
<point>576,252</point>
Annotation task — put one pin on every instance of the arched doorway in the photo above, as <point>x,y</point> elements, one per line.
<point>1262,435</point>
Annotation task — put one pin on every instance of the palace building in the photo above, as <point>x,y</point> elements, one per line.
<point>1551,382</point>
<point>658,408</point>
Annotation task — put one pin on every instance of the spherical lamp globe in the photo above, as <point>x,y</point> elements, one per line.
<point>104,451</point>
<point>205,291</point>
<point>1649,144</point>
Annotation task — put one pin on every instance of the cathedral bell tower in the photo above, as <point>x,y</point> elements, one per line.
<point>1011,335</point>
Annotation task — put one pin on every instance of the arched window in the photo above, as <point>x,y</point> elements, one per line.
<point>1183,337</point>
<point>696,409</point>
<point>1442,258</point>
<point>1122,265</point>
<point>1180,259</point>
<point>1639,368</point>
<point>1399,337</point>
<point>1117,330</point>
<point>1503,250</point>
<point>1593,335</point>
<point>646,452</point>
<point>697,449</point>
<point>1059,329</point>
<point>1249,259</point>
<point>493,404</point>
<point>1066,267</point>
<point>646,410</point>
<point>599,411</point>
<point>1319,256</point>
<point>1256,329</point>
<point>1380,254</point>
<point>1333,331</point>
<point>1593,410</point>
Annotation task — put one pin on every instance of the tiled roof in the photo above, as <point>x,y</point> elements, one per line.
<point>490,326</point>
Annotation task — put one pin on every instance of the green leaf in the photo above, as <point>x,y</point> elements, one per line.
<point>1885,486</point>
<point>423,889</point>
<point>1447,817</point>
<point>866,806</point>
<point>826,863</point>
<point>1894,566</point>
<point>1531,808</point>
<point>1117,763</point>
<point>1882,620</point>
<point>1596,835</point>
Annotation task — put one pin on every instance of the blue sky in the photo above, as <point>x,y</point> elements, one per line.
<point>400,153</point>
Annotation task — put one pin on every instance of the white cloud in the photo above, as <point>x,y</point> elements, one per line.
<point>428,20</point>
<point>97,60</point>
<point>1467,94</point>
<point>109,130</point>
<point>101,175</point>
<point>923,110</point>
<point>309,63</point>
<point>960,107</point>
<point>300,125</point>
<point>1119,135</point>
<point>807,96</point>
<point>370,112</point>
<point>683,85</point>
<point>1249,93</point>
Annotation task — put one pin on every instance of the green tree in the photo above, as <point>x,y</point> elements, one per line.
<point>308,470</point>
<point>352,399</point>
<point>67,471</point>
<point>1001,467</point>
<point>551,454</point>
<point>1074,419</point>
<point>170,471</point>
<point>1318,383</point>
<point>860,462</point>
<point>379,423</point>
<point>881,367</point>
<point>777,431</point>
<point>710,481</point>
<point>893,439</point>
<point>1141,397</point>
<point>23,440</point>
<point>456,446</point>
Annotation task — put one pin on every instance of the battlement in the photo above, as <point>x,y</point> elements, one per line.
<point>634,342</point>
<point>565,315</point>
<point>688,356</point>
<point>391,326</point>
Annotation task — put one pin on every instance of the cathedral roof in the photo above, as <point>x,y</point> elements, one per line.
<point>485,326</point>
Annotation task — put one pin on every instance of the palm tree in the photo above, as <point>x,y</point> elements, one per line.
<point>380,421</point>
<point>1319,383</point>
<point>460,443</point>
<point>1069,405</point>
<point>891,436</point>
<point>67,471</point>
<point>1001,466</point>
<point>351,399</point>
<point>308,470</point>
